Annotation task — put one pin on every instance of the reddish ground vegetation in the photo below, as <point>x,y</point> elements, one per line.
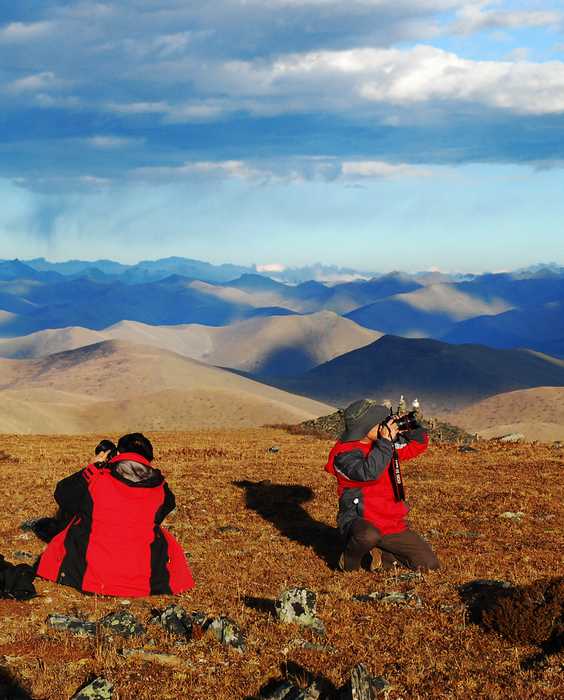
<point>256,522</point>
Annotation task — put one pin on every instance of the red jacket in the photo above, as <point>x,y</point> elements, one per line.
<point>364,485</point>
<point>114,544</point>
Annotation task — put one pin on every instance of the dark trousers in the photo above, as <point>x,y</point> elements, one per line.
<point>405,548</point>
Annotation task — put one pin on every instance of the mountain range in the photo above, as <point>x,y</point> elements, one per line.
<point>522,309</point>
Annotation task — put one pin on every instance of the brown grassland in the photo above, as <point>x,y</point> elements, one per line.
<point>282,535</point>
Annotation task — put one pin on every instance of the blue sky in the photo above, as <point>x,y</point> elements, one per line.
<point>379,135</point>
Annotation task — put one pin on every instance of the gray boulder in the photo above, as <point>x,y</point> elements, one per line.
<point>177,621</point>
<point>74,625</point>
<point>227,632</point>
<point>298,606</point>
<point>99,689</point>
<point>123,623</point>
<point>363,686</point>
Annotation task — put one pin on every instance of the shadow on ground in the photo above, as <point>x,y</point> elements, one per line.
<point>281,504</point>
<point>526,615</point>
<point>10,688</point>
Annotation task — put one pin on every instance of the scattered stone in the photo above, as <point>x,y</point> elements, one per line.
<point>29,525</point>
<point>467,448</point>
<point>298,606</point>
<point>512,437</point>
<point>466,533</point>
<point>229,528</point>
<point>410,576</point>
<point>508,515</point>
<point>157,657</point>
<point>264,482</point>
<point>286,690</point>
<point>99,689</point>
<point>558,444</point>
<point>363,686</point>
<point>122,623</point>
<point>227,632</point>
<point>393,597</point>
<point>74,625</point>
<point>23,556</point>
<point>177,621</point>
<point>274,449</point>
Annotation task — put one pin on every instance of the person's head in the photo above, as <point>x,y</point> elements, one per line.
<point>136,442</point>
<point>362,419</point>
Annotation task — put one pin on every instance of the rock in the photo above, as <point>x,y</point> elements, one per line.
<point>227,632</point>
<point>410,576</point>
<point>274,449</point>
<point>363,686</point>
<point>99,689</point>
<point>286,690</point>
<point>23,556</point>
<point>157,657</point>
<point>512,437</point>
<point>29,525</point>
<point>228,528</point>
<point>177,621</point>
<point>122,623</point>
<point>508,515</point>
<point>298,606</point>
<point>74,625</point>
<point>393,597</point>
<point>466,533</point>
<point>467,448</point>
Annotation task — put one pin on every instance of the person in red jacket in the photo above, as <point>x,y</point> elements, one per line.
<point>372,511</point>
<point>114,543</point>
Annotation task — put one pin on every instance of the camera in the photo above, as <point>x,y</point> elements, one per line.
<point>407,422</point>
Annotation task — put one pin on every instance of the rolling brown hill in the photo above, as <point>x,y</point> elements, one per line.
<point>536,413</point>
<point>277,345</point>
<point>114,385</point>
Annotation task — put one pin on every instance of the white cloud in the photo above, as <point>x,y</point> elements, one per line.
<point>35,83</point>
<point>380,169</point>
<point>475,16</point>
<point>138,107</point>
<point>271,267</point>
<point>286,170</point>
<point>17,32</point>
<point>107,142</point>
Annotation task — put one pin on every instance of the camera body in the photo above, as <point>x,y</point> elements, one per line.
<point>406,422</point>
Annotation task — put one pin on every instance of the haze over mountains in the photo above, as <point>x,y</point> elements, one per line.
<point>328,341</point>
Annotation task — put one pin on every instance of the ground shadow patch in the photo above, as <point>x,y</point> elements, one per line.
<point>10,689</point>
<point>526,615</point>
<point>281,504</point>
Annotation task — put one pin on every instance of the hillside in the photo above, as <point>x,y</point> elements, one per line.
<point>116,385</point>
<point>256,523</point>
<point>277,345</point>
<point>539,327</point>
<point>536,413</point>
<point>430,311</point>
<point>441,375</point>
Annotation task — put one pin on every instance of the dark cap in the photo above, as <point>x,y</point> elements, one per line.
<point>360,417</point>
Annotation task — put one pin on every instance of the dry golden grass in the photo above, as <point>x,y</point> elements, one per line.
<point>285,538</point>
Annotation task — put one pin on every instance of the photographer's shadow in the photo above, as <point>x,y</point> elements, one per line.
<point>281,504</point>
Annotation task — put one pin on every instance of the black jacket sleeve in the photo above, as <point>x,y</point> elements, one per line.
<point>71,495</point>
<point>356,467</point>
<point>169,504</point>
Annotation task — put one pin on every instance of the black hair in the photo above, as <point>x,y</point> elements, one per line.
<point>106,446</point>
<point>138,443</point>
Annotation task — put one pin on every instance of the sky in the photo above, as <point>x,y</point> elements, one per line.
<point>373,134</point>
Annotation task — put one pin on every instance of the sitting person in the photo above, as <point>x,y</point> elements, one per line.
<point>114,543</point>
<point>372,511</point>
<point>46,528</point>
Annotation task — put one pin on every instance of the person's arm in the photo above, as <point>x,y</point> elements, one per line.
<point>416,442</point>
<point>70,494</point>
<point>168,505</point>
<point>354,465</point>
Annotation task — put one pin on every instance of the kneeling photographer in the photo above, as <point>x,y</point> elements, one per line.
<point>372,510</point>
